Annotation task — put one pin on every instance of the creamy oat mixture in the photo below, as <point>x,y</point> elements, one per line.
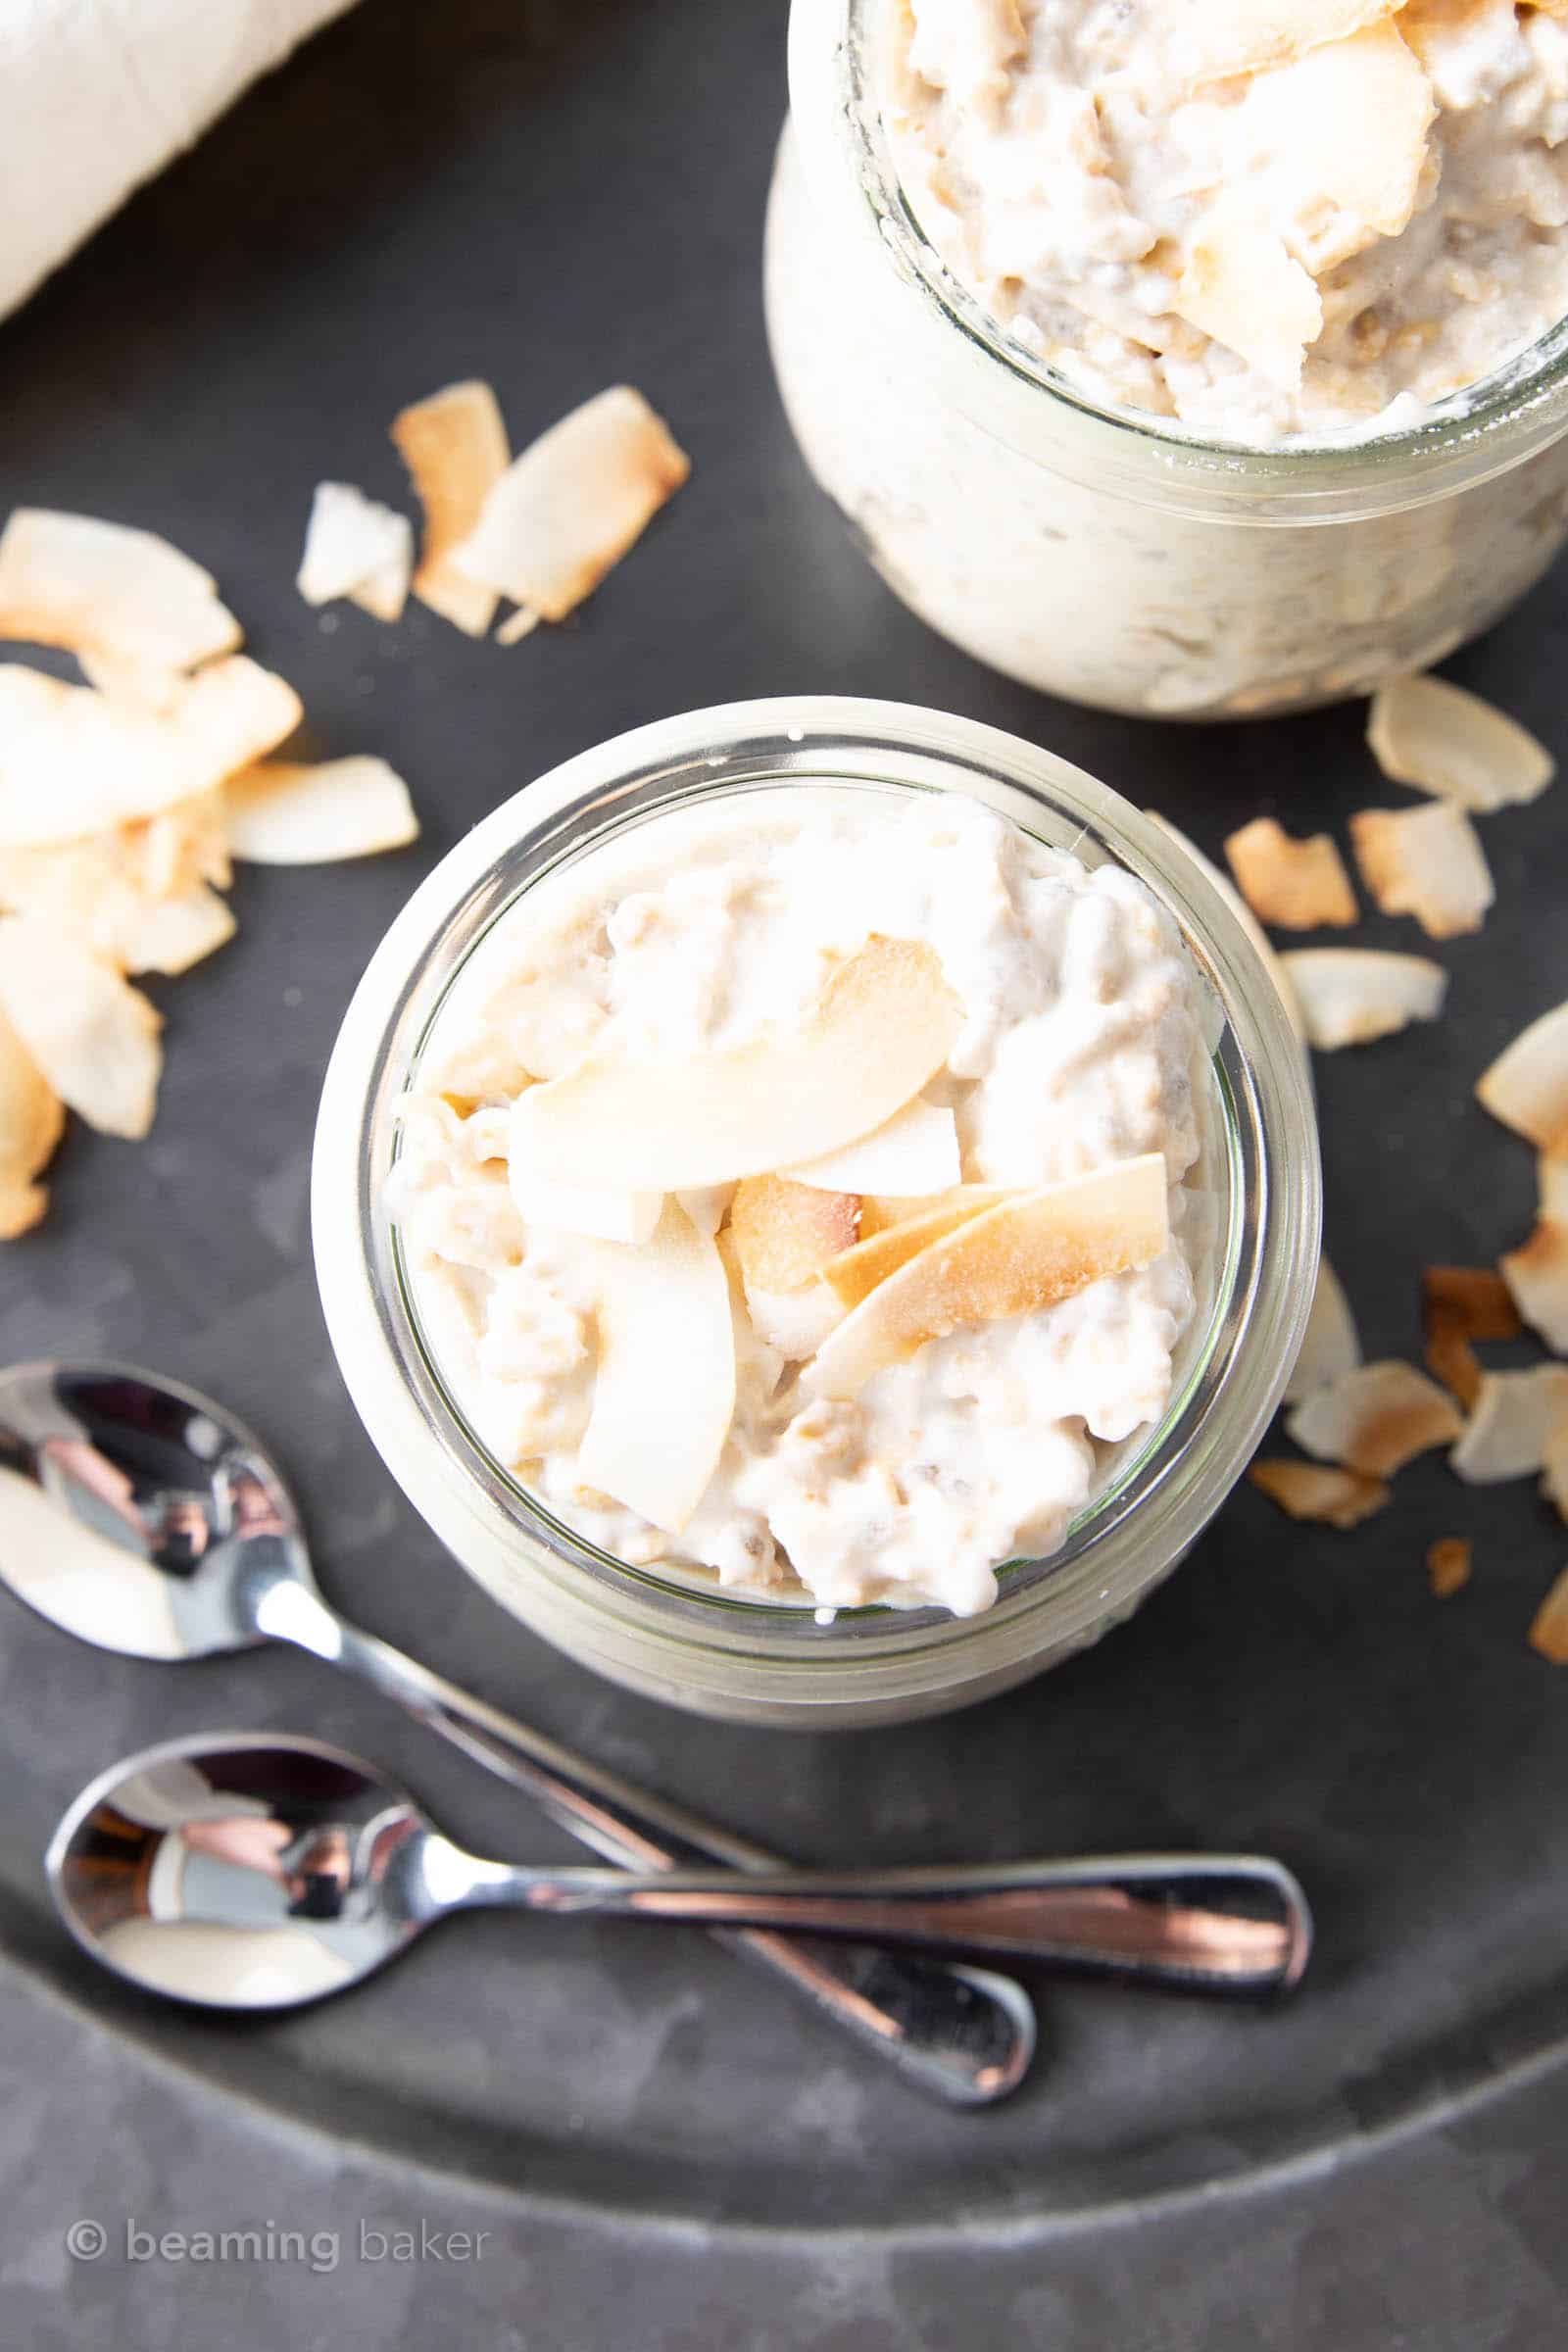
<point>1224,213</point>
<point>1077,1045</point>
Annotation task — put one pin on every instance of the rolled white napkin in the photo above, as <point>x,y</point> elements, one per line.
<point>96,95</point>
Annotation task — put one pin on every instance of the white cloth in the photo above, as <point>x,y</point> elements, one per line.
<point>96,95</point>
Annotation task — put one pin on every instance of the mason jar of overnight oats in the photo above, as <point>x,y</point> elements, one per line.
<point>982,216</point>
<point>862,1551</point>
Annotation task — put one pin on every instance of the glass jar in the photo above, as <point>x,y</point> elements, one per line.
<point>1100,552</point>
<point>670,1634</point>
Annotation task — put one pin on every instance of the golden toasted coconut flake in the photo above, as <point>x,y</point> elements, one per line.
<point>1537,1274</point>
<point>1513,1421</point>
<point>1218,39</point>
<point>1442,739</point>
<point>283,812</point>
<point>1555,1467</point>
<point>1428,863</point>
<point>1448,1562</point>
<point>1241,286</point>
<point>1548,1629</point>
<point>856,1273</point>
<point>1352,996</point>
<point>1332,1346</point>
<point>1296,885</point>
<point>1527,1086</point>
<point>74,763</point>
<point>1344,131</point>
<point>1244,915</point>
<point>109,593</point>
<point>1329,1494</point>
<point>653,1441</point>
<point>879,1210</point>
<point>454,446</point>
<point>31,1117</point>
<point>94,1037</point>
<point>882,1028</point>
<point>1376,1419</point>
<point>1459,1305</point>
<point>574,501</point>
<point>358,548</point>
<point>786,1233</point>
<point>914,1152</point>
<point>1030,1253</point>
<point>1553,1175</point>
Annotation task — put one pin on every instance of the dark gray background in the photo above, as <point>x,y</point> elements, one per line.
<point>667,2152</point>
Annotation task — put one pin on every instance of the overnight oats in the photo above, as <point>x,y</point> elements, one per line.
<point>1185,359</point>
<point>814,1193</point>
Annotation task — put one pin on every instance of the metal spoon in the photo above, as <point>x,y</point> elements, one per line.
<point>141,1517</point>
<point>248,1873</point>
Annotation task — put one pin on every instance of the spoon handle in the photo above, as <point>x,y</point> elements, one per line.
<point>964,2034</point>
<point>1209,1923</point>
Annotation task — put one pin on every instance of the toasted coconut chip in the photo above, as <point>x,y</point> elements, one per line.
<point>170,935</point>
<point>31,1117</point>
<point>1376,1419</point>
<point>519,624</point>
<point>454,446</point>
<point>664,1394</point>
<point>1245,917</point>
<point>914,1152</point>
<point>1553,1175</point>
<point>1451,1358</point>
<point>94,1039</point>
<point>142,683</point>
<point>282,812</point>
<point>1221,38</point>
<point>72,763</point>
<point>786,1233</point>
<point>182,846</point>
<point>879,1210</point>
<point>1241,286</point>
<point>1527,1086</point>
<point>1548,1629</point>
<point>1333,1497</point>
<point>603,1214</point>
<point>1537,1274</point>
<point>1428,863</point>
<point>858,1272</point>
<point>1350,996</point>
<point>1345,130</point>
<point>1555,1467</point>
<point>1425,732</point>
<point>108,593</point>
<point>1297,885</point>
<point>1449,1564</point>
<point>106,892</point>
<point>881,1028</point>
<point>1332,1346</point>
<point>1513,1418</point>
<point>570,508</point>
<point>1027,1254</point>
<point>356,546</point>
<point>1461,1303</point>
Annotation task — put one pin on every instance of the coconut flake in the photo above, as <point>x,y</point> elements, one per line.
<point>1340,138</point>
<point>595,1210</point>
<point>1241,286</point>
<point>1536,1275</point>
<point>94,1037</point>
<point>1448,1565</point>
<point>31,1117</point>
<point>1428,863</point>
<point>914,1154</point>
<point>1376,1419</point>
<point>358,548</point>
<point>1297,885</point>
<point>1527,1086</point>
<point>1332,1346</point>
<point>880,1210</point>
<point>1548,1629</point>
<point>1459,1305</point>
<point>856,1273</point>
<point>1351,996</point>
<point>1439,739</point>
<point>1510,1425</point>
<point>129,894</point>
<point>288,812</point>
<point>454,446</point>
<point>1326,1493</point>
<point>111,595</point>
<point>786,1232</point>
<point>1215,40</point>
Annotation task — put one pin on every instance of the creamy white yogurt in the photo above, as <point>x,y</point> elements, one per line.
<point>1080,1046</point>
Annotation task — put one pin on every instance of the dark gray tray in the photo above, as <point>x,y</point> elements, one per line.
<point>556,196</point>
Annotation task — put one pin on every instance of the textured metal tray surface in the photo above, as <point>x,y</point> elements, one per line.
<point>558,197</point>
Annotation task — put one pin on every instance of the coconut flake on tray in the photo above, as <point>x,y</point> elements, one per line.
<point>1295,885</point>
<point>1353,996</point>
<point>1332,1495</point>
<point>1428,863</point>
<point>1441,739</point>
<point>1376,1418</point>
<point>356,548</point>
<point>454,446</point>
<point>1527,1086</point>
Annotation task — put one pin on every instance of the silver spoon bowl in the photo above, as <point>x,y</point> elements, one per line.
<point>244,1873</point>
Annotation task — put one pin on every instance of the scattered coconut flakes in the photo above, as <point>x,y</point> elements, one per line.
<point>1241,286</point>
<point>31,1117</point>
<point>1428,863</point>
<point>1459,1305</point>
<point>1376,1419</point>
<point>1513,1418</point>
<point>1449,1564</point>
<point>1218,39</point>
<point>914,1152</point>
<point>94,1037</point>
<point>1351,996</point>
<point>1527,1086</point>
<point>1344,130</point>
<point>520,625</point>
<point>879,1210</point>
<point>1299,885</point>
<point>786,1232</point>
<point>1332,1346</point>
<point>1318,1491</point>
<point>573,504</point>
<point>880,1254</point>
<point>1438,737</point>
<point>1548,1629</point>
<point>1027,1254</point>
<point>1537,1274</point>
<point>74,763</point>
<point>882,1028</point>
<point>124,894</point>
<point>653,1441</point>
<point>356,546</point>
<point>1245,917</point>
<point>454,446</point>
<point>287,813</point>
<point>121,598</point>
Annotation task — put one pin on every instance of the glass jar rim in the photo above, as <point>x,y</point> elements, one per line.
<point>790,741</point>
<point>1476,433</point>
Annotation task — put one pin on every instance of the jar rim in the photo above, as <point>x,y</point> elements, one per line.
<point>788,742</point>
